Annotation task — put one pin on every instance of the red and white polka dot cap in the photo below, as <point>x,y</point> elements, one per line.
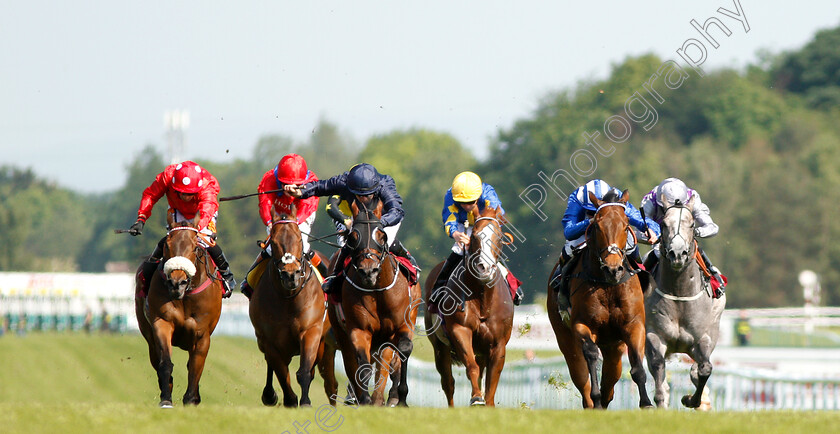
<point>188,178</point>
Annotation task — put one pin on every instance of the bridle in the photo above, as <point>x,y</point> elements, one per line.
<point>187,266</point>
<point>287,258</point>
<point>371,245</point>
<point>682,207</point>
<point>612,249</point>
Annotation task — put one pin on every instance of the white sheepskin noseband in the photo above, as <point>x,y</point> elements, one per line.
<point>179,263</point>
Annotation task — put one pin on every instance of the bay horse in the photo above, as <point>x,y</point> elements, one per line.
<point>287,311</point>
<point>376,301</point>
<point>608,314</point>
<point>182,308</point>
<point>682,316</point>
<point>478,319</point>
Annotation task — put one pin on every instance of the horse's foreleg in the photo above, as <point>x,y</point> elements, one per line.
<point>571,348</point>
<point>163,349</point>
<point>269,396</point>
<point>280,364</point>
<point>308,352</point>
<point>326,367</point>
<point>405,347</point>
<point>361,342</point>
<point>700,372</point>
<point>655,354</point>
<point>495,364</point>
<point>461,339</point>
<point>383,357</point>
<point>443,363</point>
<point>195,367</point>
<point>592,354</point>
<point>393,392</point>
<point>635,340</point>
<point>610,372</point>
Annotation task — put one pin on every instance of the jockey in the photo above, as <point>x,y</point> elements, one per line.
<point>290,170</point>
<point>466,199</point>
<point>190,191</point>
<point>576,219</point>
<point>666,194</point>
<point>361,184</point>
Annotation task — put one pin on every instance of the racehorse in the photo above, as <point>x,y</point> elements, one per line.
<point>376,302</point>
<point>182,308</point>
<point>608,315</point>
<point>287,311</point>
<point>478,318</point>
<point>682,316</point>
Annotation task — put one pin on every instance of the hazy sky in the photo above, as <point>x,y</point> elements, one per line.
<point>84,84</point>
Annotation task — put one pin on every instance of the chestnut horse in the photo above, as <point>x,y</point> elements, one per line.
<point>376,303</point>
<point>608,312</point>
<point>478,317</point>
<point>287,311</point>
<point>182,308</point>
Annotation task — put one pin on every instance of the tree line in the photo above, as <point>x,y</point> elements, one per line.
<point>761,145</point>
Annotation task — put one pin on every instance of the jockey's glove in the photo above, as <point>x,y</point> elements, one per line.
<point>136,228</point>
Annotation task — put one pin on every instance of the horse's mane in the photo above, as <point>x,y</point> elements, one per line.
<point>612,196</point>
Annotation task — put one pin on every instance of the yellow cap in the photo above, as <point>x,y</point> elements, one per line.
<point>466,187</point>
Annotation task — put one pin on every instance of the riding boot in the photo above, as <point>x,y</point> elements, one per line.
<point>245,287</point>
<point>715,272</point>
<point>635,259</point>
<point>151,264</point>
<point>398,249</point>
<point>651,260</point>
<point>338,269</point>
<point>224,269</point>
<point>554,280</point>
<point>448,267</point>
<point>563,297</point>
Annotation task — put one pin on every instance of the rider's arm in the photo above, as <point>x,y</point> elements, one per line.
<point>154,192</point>
<point>325,187</point>
<point>208,201</point>
<point>703,219</point>
<point>574,219</point>
<point>266,201</point>
<point>334,210</point>
<point>636,221</point>
<point>491,198</point>
<point>449,215</point>
<point>393,212</point>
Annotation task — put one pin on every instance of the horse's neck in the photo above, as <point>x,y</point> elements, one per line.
<point>682,283</point>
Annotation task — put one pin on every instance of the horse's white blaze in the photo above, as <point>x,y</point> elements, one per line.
<point>179,263</point>
<point>489,252</point>
<point>287,258</point>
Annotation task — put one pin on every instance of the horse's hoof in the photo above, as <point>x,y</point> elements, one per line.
<point>477,401</point>
<point>686,401</point>
<point>351,401</point>
<point>165,404</point>
<point>269,397</point>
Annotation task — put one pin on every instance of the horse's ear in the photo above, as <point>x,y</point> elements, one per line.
<point>170,219</point>
<point>195,220</point>
<point>497,213</point>
<point>274,215</point>
<point>354,208</point>
<point>625,195</point>
<point>594,199</point>
<point>690,203</point>
<point>293,212</point>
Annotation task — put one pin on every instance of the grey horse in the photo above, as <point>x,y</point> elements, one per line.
<point>681,315</point>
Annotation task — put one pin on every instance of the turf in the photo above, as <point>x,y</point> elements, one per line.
<point>73,383</point>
